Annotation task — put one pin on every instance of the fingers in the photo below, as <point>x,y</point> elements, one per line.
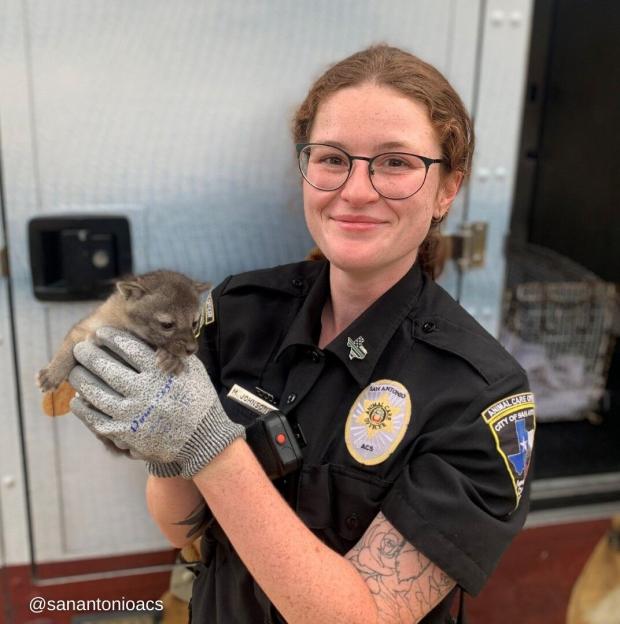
<point>119,377</point>
<point>96,392</point>
<point>96,421</point>
<point>131,349</point>
<point>101,425</point>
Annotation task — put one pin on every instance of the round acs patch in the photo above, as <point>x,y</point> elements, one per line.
<point>377,421</point>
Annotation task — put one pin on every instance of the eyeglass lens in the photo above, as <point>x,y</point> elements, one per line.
<point>393,175</point>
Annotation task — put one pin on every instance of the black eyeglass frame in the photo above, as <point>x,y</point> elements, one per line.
<point>425,159</point>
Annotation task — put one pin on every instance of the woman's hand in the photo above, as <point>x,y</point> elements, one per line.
<point>163,418</point>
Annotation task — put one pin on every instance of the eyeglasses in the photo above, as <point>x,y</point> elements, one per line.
<point>394,175</point>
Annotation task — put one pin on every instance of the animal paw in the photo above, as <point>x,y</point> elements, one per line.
<point>169,363</point>
<point>47,380</point>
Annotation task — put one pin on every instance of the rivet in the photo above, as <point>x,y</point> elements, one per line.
<point>8,481</point>
<point>497,18</point>
<point>516,17</point>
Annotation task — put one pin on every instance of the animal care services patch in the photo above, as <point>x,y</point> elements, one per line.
<point>377,421</point>
<point>512,422</point>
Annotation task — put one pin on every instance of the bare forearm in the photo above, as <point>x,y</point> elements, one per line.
<point>306,580</point>
<point>172,501</point>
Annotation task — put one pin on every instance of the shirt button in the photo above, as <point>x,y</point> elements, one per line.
<point>291,398</point>
<point>428,327</point>
<point>315,356</point>
<point>297,282</point>
<point>352,522</point>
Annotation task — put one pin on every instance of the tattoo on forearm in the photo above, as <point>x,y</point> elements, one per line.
<point>404,583</point>
<point>197,520</point>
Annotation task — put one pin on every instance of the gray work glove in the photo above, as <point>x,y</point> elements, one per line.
<point>176,422</point>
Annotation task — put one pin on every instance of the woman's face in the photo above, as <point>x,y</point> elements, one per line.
<point>357,229</point>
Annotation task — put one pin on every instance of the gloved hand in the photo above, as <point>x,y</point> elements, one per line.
<point>174,421</point>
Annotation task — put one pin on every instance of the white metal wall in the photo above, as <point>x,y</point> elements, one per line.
<point>13,518</point>
<point>177,114</point>
<point>498,110</point>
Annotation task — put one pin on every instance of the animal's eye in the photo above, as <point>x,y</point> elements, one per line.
<point>195,325</point>
<point>166,324</point>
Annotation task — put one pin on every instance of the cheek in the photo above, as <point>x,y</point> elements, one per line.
<point>314,205</point>
<point>315,201</point>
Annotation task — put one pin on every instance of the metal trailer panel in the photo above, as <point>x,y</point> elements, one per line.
<point>14,541</point>
<point>165,111</point>
<point>497,110</point>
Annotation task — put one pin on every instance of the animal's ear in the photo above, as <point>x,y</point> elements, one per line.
<point>202,286</point>
<point>131,289</point>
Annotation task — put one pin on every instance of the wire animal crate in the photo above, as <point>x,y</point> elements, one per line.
<point>559,323</point>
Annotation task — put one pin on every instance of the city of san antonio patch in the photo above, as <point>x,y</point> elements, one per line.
<point>377,421</point>
<point>512,422</point>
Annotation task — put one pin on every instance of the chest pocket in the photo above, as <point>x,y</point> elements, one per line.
<point>339,503</point>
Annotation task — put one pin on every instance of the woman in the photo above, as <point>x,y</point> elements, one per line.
<point>418,425</point>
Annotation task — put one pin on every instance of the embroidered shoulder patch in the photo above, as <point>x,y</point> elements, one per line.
<point>207,313</point>
<point>377,421</point>
<point>512,422</point>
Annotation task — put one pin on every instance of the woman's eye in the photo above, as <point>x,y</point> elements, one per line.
<point>396,163</point>
<point>166,324</point>
<point>333,161</point>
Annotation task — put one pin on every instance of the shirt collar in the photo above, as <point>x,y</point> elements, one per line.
<point>306,325</point>
<point>375,326</point>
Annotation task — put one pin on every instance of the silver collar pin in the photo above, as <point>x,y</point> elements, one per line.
<point>357,350</point>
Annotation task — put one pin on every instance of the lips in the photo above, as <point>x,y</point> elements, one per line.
<point>357,223</point>
<point>356,219</point>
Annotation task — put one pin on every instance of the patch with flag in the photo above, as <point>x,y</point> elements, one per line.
<point>512,422</point>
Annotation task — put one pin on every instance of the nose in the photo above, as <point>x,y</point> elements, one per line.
<point>358,189</point>
<point>191,348</point>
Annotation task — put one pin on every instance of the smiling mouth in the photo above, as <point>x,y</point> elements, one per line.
<point>357,219</point>
<point>357,223</point>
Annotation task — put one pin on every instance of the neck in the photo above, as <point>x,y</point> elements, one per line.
<point>351,294</point>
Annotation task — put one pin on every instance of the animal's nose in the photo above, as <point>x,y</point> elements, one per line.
<point>191,348</point>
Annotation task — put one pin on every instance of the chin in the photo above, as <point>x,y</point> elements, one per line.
<point>352,262</point>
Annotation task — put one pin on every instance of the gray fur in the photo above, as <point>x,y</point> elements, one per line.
<point>138,304</point>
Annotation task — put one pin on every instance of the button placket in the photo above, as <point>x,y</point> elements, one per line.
<point>302,377</point>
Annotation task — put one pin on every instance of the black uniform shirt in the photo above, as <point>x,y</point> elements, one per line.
<point>414,410</point>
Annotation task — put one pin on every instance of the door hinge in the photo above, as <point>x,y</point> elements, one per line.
<point>469,245</point>
<point>4,262</point>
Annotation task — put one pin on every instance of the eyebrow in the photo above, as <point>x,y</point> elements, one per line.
<point>390,145</point>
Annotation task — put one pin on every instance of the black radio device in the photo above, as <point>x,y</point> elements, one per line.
<point>271,437</point>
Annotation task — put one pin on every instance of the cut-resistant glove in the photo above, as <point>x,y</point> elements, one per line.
<point>175,422</point>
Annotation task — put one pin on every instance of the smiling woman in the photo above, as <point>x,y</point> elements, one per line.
<point>418,427</point>
<point>358,224</point>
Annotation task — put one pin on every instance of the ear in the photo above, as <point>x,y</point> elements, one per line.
<point>131,289</point>
<point>202,286</point>
<point>446,193</point>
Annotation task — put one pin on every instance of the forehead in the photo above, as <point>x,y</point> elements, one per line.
<point>173,297</point>
<point>369,116</point>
